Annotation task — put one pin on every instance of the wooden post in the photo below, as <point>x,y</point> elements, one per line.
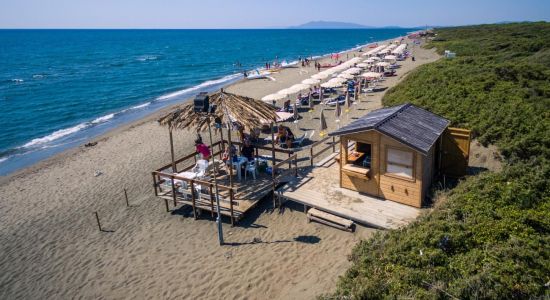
<point>173,191</point>
<point>98,223</point>
<point>311,156</point>
<point>221,139</point>
<point>230,154</point>
<point>296,165</point>
<point>174,169</point>
<point>155,185</point>
<point>167,207</point>
<point>333,144</point>
<point>211,201</point>
<point>289,161</point>
<point>126,197</point>
<point>193,199</point>
<point>231,207</point>
<point>272,145</point>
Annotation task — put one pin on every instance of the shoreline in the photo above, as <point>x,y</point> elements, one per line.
<point>75,143</point>
<point>52,248</point>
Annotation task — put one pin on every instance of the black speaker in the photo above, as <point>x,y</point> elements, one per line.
<point>201,102</point>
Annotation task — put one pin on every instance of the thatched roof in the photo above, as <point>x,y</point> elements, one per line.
<point>249,112</point>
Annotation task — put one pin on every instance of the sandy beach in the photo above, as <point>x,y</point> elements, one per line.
<point>52,249</point>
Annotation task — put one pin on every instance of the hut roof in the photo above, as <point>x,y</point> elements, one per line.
<point>406,123</point>
<point>248,112</point>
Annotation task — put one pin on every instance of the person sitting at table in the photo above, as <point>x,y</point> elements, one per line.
<point>247,150</point>
<point>227,153</point>
<point>284,137</point>
<point>202,149</point>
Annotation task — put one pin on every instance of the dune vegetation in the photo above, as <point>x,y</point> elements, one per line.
<point>488,237</point>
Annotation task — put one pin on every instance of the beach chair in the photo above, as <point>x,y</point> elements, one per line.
<point>251,167</point>
<point>306,136</point>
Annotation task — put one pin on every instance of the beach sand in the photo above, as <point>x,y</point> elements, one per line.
<point>52,249</point>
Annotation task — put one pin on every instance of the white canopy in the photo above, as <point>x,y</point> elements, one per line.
<point>353,71</point>
<point>311,81</point>
<point>400,49</point>
<point>299,87</point>
<point>346,76</point>
<point>371,75</point>
<point>286,92</point>
<point>273,97</point>
<point>375,50</point>
<point>320,76</point>
<point>331,84</point>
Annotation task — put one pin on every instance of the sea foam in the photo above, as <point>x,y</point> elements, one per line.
<point>199,86</point>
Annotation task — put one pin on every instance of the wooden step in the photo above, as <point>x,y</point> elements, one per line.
<point>329,219</point>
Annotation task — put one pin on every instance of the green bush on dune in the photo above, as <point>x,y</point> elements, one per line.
<point>488,237</point>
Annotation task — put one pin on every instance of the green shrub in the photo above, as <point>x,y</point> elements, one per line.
<point>488,237</point>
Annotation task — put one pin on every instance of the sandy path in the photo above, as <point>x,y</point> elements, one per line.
<point>51,248</point>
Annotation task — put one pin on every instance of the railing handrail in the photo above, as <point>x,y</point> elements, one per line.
<point>188,180</point>
<point>289,159</point>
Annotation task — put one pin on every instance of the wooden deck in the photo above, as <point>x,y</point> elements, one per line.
<point>320,190</point>
<point>247,195</point>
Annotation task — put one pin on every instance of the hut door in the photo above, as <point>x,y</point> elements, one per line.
<point>455,152</point>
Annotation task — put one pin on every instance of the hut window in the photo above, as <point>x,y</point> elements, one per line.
<point>399,162</point>
<point>361,156</point>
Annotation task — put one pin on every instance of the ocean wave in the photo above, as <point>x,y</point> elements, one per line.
<point>56,135</point>
<point>17,80</point>
<point>140,106</point>
<point>38,76</point>
<point>103,119</point>
<point>3,159</point>
<point>147,57</point>
<point>198,87</point>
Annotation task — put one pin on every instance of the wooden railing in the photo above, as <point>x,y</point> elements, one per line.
<point>159,178</point>
<point>293,159</point>
<point>161,174</point>
<point>332,144</point>
<point>194,157</point>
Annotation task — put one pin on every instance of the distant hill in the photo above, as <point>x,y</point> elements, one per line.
<point>330,25</point>
<point>336,25</point>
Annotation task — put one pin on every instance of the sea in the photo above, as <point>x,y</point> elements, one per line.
<point>61,88</point>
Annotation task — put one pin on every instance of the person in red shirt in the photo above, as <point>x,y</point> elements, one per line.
<point>202,149</point>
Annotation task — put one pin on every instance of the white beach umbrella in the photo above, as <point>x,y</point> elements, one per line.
<point>390,57</point>
<point>362,65</point>
<point>353,71</point>
<point>273,97</point>
<point>311,81</point>
<point>299,87</point>
<point>346,76</point>
<point>376,58</point>
<point>383,64</point>
<point>286,92</point>
<point>338,80</point>
<point>369,61</point>
<point>320,76</point>
<point>371,75</point>
<point>331,84</point>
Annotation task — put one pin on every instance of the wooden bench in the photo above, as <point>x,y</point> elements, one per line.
<point>329,219</point>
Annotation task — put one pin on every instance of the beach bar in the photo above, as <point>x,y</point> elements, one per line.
<point>397,152</point>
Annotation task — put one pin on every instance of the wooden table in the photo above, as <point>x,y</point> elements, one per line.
<point>355,156</point>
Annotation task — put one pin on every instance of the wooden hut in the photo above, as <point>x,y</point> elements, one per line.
<point>396,152</point>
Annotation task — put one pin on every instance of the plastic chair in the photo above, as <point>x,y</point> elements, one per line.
<point>250,168</point>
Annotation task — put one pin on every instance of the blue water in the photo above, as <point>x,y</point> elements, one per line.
<point>59,88</point>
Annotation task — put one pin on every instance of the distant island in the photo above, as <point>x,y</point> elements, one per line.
<point>335,25</point>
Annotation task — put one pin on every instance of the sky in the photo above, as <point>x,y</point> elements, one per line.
<point>261,13</point>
